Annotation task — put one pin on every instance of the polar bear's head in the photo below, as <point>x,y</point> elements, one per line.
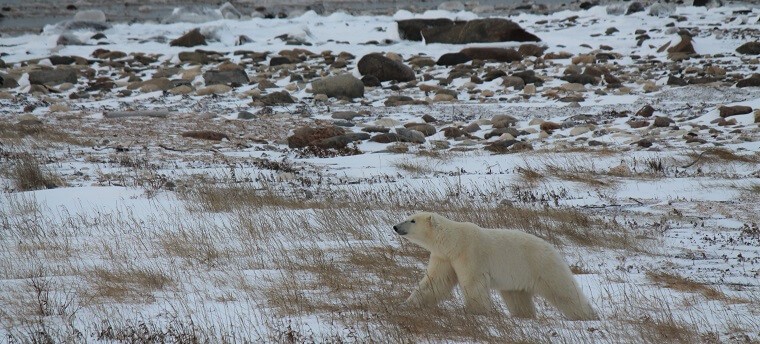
<point>421,228</point>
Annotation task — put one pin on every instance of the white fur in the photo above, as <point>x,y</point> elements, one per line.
<point>515,263</point>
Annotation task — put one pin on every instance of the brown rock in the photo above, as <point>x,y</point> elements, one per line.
<point>478,31</point>
<point>728,111</point>
<point>493,54</point>
<point>305,136</point>
<point>411,29</point>
<point>646,111</point>
<point>384,69</point>
<point>531,50</point>
<point>190,39</point>
<point>662,122</point>
<point>424,128</point>
<point>550,126</point>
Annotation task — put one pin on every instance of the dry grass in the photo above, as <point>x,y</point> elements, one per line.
<point>683,284</point>
<point>133,285</point>
<point>27,173</point>
<point>414,167</point>
<point>530,175</point>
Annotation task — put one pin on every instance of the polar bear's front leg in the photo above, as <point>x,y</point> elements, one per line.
<point>437,284</point>
<point>476,289</point>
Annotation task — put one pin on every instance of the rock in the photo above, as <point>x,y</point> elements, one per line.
<point>638,124</point>
<point>757,116</point>
<point>579,130</point>
<point>194,57</point>
<point>61,60</point>
<point>503,121</point>
<point>340,141</point>
<point>494,74</point>
<point>275,98</point>
<point>513,81</point>
<point>28,119</point>
<point>428,119</point>
<point>305,136</point>
<point>478,31</point>
<point>529,89</point>
<point>662,10</point>
<point>68,39</point>
<point>226,77</point>
<point>471,128</point>
<point>676,81</point>
<point>521,146</point>
<point>582,79</point>
<point>645,143</point>
<point>385,138</point>
<point>152,85</point>
<point>662,122</point>
<point>345,115</point>
<point>245,115</point>
<point>283,60</point>
<point>213,89</point>
<point>549,126</point>
<point>635,7</point>
<point>573,87</point>
<point>424,128</point>
<point>683,48</point>
<point>502,133</point>
<point>344,85</point>
<point>420,62</point>
<point>408,135</point>
<point>7,81</point>
<point>399,101</point>
<point>492,54</point>
<point>749,48</point>
<point>531,50</point>
<point>53,76</point>
<point>728,111</point>
<point>529,77</point>
<point>205,135</point>
<point>753,81</point>
<point>375,129</point>
<point>646,111</point>
<point>180,90</point>
<point>452,132</point>
<point>501,146</point>
<point>191,39</point>
<point>452,6</point>
<point>411,29</point>
<point>452,59</point>
<point>384,68</point>
<point>443,97</point>
<point>371,81</point>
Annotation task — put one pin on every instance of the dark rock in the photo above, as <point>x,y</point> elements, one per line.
<point>452,132</point>
<point>194,57</point>
<point>494,74</point>
<point>305,136</point>
<point>529,77</point>
<point>409,135</point>
<point>499,131</point>
<point>98,36</point>
<point>501,146</point>
<point>753,81</point>
<point>385,138</point>
<point>424,128</point>
<point>282,97</point>
<point>191,39</point>
<point>676,81</point>
<point>635,7</point>
<point>749,48</point>
<point>549,126</point>
<point>583,79</point>
<point>683,48</point>
<point>452,59</point>
<point>662,122</point>
<point>374,129</point>
<point>503,121</point>
<point>531,50</point>
<point>61,60</point>
<point>345,115</point>
<point>645,143</point>
<point>728,111</point>
<point>587,4</point>
<point>7,82</point>
<point>340,141</point>
<point>283,60</point>
<point>610,31</point>
<point>513,81</point>
<point>428,119</point>
<point>53,76</point>
<point>371,81</point>
<point>492,54</point>
<point>245,115</point>
<point>646,111</point>
<point>68,39</point>
<point>411,29</point>
<point>478,31</point>
<point>638,124</point>
<point>344,85</point>
<point>205,135</point>
<point>226,77</point>
<point>384,68</point>
<point>399,100</point>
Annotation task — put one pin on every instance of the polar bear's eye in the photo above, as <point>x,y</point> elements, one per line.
<point>412,221</point>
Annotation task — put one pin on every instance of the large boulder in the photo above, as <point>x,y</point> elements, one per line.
<point>752,81</point>
<point>344,85</point>
<point>7,82</point>
<point>305,136</point>
<point>226,77</point>
<point>53,76</point>
<point>274,98</point>
<point>384,69</point>
<point>190,39</point>
<point>411,29</point>
<point>749,48</point>
<point>478,31</point>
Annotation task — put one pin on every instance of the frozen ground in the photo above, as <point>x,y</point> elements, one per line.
<point>150,236</point>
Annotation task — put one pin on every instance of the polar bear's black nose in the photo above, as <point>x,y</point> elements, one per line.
<point>395,229</point>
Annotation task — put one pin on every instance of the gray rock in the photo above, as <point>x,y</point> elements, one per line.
<point>245,115</point>
<point>409,135</point>
<point>749,48</point>
<point>53,76</point>
<point>503,121</point>
<point>384,69</point>
<point>190,39</point>
<point>226,77</point>
<point>282,97</point>
<point>345,115</point>
<point>7,82</point>
<point>424,128</point>
<point>752,81</point>
<point>344,85</point>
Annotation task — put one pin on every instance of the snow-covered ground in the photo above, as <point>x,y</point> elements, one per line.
<point>150,236</point>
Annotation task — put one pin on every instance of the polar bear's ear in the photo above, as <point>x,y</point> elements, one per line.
<point>435,221</point>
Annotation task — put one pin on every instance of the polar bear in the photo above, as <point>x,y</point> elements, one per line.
<point>515,263</point>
